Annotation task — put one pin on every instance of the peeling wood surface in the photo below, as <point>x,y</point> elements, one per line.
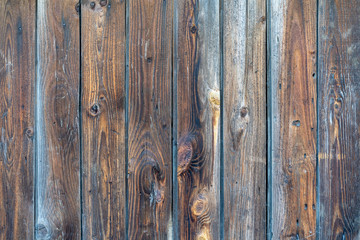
<point>186,119</point>
<point>103,119</point>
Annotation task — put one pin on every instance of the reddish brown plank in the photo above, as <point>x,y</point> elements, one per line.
<point>103,119</point>
<point>57,121</point>
<point>17,78</point>
<point>339,119</point>
<point>293,118</point>
<point>244,119</point>
<point>198,119</point>
<point>149,126</point>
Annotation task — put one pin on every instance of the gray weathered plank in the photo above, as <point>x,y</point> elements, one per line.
<point>57,121</point>
<point>244,107</point>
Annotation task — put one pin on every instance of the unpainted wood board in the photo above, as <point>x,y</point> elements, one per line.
<point>293,118</point>
<point>198,119</point>
<point>57,121</point>
<point>17,77</point>
<point>149,122</point>
<point>103,119</point>
<point>339,119</point>
<point>244,52</point>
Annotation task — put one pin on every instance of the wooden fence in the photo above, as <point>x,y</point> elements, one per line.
<point>179,119</point>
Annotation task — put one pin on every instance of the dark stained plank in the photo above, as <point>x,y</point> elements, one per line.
<point>17,77</point>
<point>103,119</point>
<point>149,126</point>
<point>293,118</point>
<point>339,119</point>
<point>198,119</point>
<point>57,121</point>
<point>244,119</point>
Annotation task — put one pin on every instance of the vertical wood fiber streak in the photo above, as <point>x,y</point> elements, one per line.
<point>293,61</point>
<point>103,119</point>
<point>198,104</point>
<point>17,77</point>
<point>339,119</point>
<point>149,140</point>
<point>244,119</point>
<point>57,121</point>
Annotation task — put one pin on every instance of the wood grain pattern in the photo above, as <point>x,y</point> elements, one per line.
<point>198,111</point>
<point>17,77</point>
<point>103,119</point>
<point>57,121</point>
<point>293,99</point>
<point>339,119</point>
<point>244,119</point>
<point>149,139</point>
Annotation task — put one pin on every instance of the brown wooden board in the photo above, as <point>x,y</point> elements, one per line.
<point>103,119</point>
<point>17,78</point>
<point>149,122</point>
<point>244,108</point>
<point>339,119</point>
<point>198,119</point>
<point>57,121</point>
<point>293,118</point>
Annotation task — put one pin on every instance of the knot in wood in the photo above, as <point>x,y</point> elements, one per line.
<point>41,231</point>
<point>94,110</point>
<point>193,29</point>
<point>92,5</point>
<point>200,207</point>
<point>214,98</point>
<point>29,132</point>
<point>190,149</point>
<point>103,3</point>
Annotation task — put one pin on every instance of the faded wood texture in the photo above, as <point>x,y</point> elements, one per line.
<point>293,116</point>
<point>149,119</point>
<point>17,77</point>
<point>103,119</point>
<point>339,119</point>
<point>244,117</point>
<point>198,119</point>
<point>57,121</point>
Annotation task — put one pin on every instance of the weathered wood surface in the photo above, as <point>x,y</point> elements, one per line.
<point>339,119</point>
<point>293,116</point>
<point>57,121</point>
<point>198,119</point>
<point>244,107</point>
<point>103,119</point>
<point>17,77</point>
<point>144,119</point>
<point>149,122</point>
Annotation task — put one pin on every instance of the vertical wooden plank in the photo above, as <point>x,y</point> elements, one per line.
<point>103,118</point>
<point>244,119</point>
<point>293,99</point>
<point>198,111</point>
<point>17,77</point>
<point>57,121</point>
<point>149,139</point>
<point>339,119</point>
